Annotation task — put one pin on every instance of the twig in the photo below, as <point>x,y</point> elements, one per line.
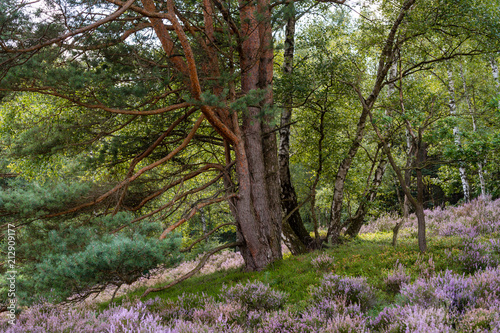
<point>187,249</point>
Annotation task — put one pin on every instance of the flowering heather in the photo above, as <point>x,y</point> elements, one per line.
<point>44,318</point>
<point>385,223</point>
<point>323,262</point>
<point>184,306</point>
<point>453,291</point>
<point>284,321</point>
<point>412,318</point>
<point>434,302</point>
<point>426,269</point>
<point>480,215</point>
<point>255,296</point>
<point>355,289</point>
<point>474,255</point>
<point>396,278</point>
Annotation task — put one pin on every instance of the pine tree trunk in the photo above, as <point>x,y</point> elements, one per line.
<point>258,205</point>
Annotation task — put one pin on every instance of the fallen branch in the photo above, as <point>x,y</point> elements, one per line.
<point>200,265</point>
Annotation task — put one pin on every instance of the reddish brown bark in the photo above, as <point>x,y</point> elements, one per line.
<point>194,58</point>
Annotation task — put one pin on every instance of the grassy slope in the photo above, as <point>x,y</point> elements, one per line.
<point>369,255</point>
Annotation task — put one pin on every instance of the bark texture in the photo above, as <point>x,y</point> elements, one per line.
<point>355,222</point>
<point>456,134</point>
<point>296,236</point>
<point>470,107</point>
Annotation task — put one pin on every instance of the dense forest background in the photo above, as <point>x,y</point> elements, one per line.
<point>140,133</point>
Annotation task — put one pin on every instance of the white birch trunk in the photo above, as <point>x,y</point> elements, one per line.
<point>494,70</point>
<point>482,183</point>
<point>456,134</point>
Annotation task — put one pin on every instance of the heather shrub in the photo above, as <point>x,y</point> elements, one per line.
<point>426,269</point>
<point>412,318</point>
<point>182,326</point>
<point>478,320</point>
<point>44,318</point>
<point>384,223</point>
<point>212,313</point>
<point>323,262</point>
<point>346,323</point>
<point>487,286</point>
<point>328,307</point>
<point>455,292</point>
<point>184,306</point>
<point>474,255</point>
<point>255,296</point>
<point>396,278</point>
<point>284,321</point>
<point>355,290</point>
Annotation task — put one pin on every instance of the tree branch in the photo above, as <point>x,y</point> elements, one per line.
<point>200,265</point>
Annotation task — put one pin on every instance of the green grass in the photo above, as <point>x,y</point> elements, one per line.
<point>369,255</point>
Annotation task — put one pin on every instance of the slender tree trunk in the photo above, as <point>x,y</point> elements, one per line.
<point>419,207</point>
<point>338,188</point>
<point>386,61</point>
<point>317,241</point>
<point>417,204</point>
<point>456,134</point>
<point>482,183</point>
<point>494,70</point>
<point>355,222</point>
<point>295,234</point>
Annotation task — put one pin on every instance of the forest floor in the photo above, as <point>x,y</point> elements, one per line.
<point>362,285</point>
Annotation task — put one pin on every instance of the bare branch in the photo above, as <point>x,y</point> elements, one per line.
<point>202,263</point>
<point>187,249</point>
<point>193,212</point>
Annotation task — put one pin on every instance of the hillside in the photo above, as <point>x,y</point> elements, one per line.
<point>363,285</point>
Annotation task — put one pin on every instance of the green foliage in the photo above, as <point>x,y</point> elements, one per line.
<point>111,260</point>
<point>32,199</point>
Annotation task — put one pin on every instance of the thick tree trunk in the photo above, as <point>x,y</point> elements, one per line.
<point>295,234</point>
<point>258,207</point>
<point>456,134</point>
